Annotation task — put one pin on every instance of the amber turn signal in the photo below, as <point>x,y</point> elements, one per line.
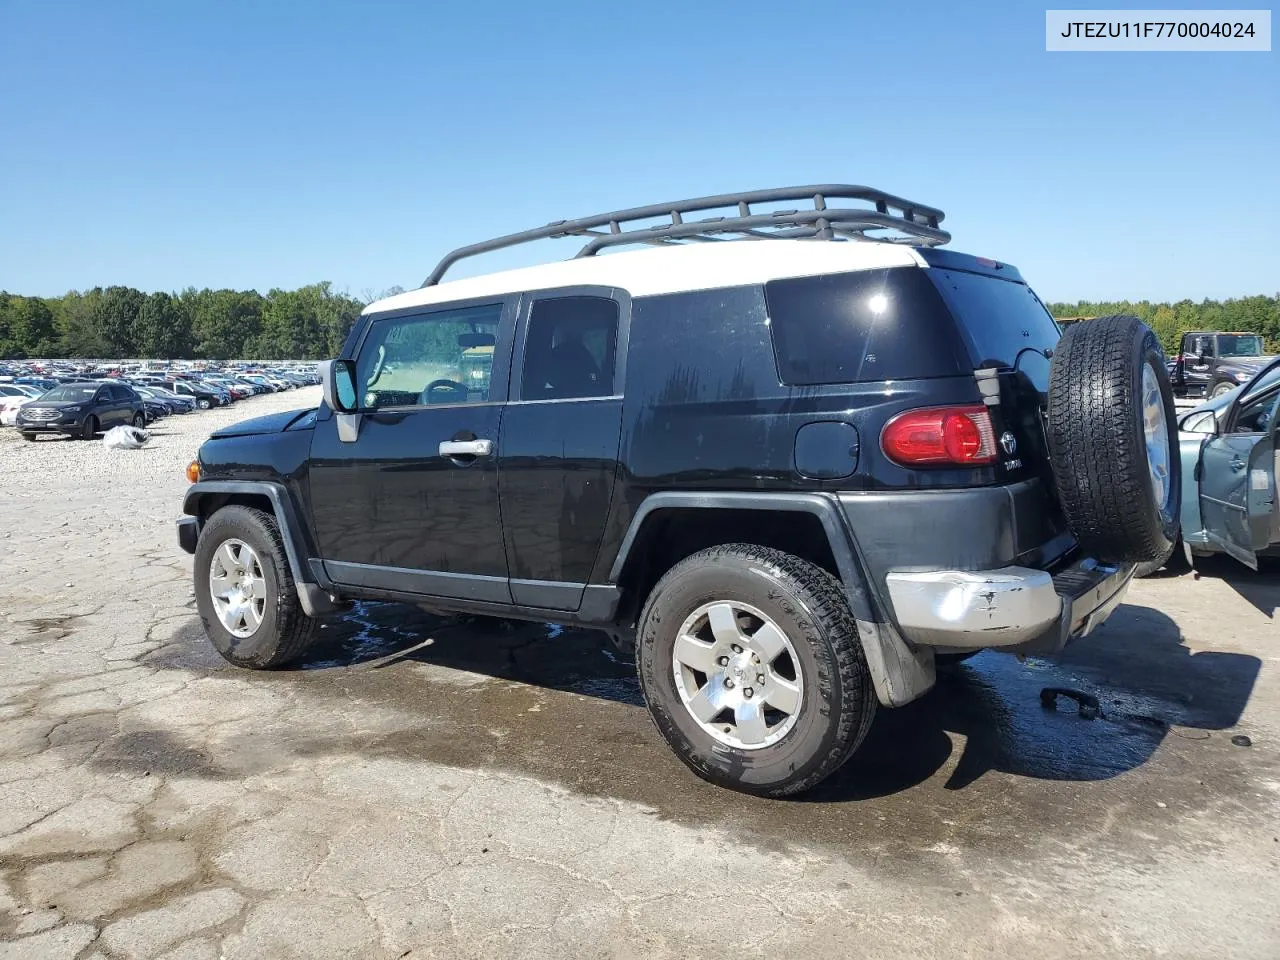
<point>193,471</point>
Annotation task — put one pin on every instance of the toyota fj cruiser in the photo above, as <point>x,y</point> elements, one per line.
<point>794,471</point>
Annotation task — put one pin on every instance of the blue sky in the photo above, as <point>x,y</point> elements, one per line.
<point>261,144</point>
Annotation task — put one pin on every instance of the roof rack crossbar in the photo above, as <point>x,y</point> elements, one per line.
<point>911,222</point>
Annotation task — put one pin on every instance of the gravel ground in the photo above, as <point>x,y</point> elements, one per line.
<point>425,787</point>
<point>173,445</point>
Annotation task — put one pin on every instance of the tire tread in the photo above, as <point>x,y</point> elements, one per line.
<point>295,631</point>
<point>1095,440</point>
<point>823,597</point>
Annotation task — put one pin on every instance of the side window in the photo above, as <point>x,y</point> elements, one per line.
<point>871,325</point>
<point>570,349</point>
<point>434,358</point>
<point>1258,415</point>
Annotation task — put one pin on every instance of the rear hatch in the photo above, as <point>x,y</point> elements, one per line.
<point>1007,330</point>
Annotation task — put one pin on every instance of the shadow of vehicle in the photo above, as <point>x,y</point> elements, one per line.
<point>1148,685</point>
<point>1261,588</point>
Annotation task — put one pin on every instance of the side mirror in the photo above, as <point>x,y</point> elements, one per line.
<point>338,383</point>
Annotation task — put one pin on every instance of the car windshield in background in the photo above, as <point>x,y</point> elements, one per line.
<point>1006,324</point>
<point>71,392</point>
<point>1239,345</point>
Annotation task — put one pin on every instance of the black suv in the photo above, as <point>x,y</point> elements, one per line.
<point>794,474</point>
<point>82,410</point>
<point>1210,364</point>
<point>204,395</point>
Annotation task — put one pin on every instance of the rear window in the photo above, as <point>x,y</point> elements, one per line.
<point>1000,317</point>
<point>853,327</point>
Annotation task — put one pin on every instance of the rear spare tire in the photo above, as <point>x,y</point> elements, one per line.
<point>1113,442</point>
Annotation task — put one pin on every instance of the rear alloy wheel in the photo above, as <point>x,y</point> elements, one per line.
<point>139,421</point>
<point>735,672</point>
<point>203,403</point>
<point>90,428</point>
<point>752,668</point>
<point>1113,440</point>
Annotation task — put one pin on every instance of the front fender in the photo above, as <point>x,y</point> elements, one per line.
<point>199,503</point>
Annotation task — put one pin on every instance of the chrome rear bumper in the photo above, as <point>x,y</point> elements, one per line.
<point>1008,607</point>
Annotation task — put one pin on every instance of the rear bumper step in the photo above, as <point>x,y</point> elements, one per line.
<point>1011,607</point>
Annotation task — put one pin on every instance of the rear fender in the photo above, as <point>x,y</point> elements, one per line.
<point>900,671</point>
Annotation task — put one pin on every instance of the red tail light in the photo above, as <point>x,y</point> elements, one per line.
<point>940,436</point>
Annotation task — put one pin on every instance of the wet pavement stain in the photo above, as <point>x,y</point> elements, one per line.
<point>977,762</point>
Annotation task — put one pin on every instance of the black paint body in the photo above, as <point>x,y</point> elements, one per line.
<point>554,525</point>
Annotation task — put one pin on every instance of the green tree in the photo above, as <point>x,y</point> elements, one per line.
<point>75,316</point>
<point>163,328</point>
<point>26,328</point>
<point>1257,314</point>
<point>116,319</point>
<point>223,321</point>
<point>308,323</point>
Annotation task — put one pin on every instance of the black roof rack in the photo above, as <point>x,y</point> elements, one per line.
<point>910,222</point>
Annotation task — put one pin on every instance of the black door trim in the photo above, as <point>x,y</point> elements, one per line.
<point>430,583</point>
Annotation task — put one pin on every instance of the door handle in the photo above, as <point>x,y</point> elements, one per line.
<point>466,448</point>
<point>1237,464</point>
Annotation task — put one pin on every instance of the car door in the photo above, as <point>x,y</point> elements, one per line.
<point>557,457</point>
<point>404,493</point>
<point>1237,478</point>
<point>104,407</point>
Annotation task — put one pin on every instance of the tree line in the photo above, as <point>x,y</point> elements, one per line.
<point>1260,314</point>
<point>312,322</point>
<point>309,323</point>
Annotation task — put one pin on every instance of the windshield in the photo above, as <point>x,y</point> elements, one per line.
<point>1239,345</point>
<point>75,392</point>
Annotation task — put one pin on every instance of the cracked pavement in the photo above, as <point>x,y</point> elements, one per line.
<point>425,787</point>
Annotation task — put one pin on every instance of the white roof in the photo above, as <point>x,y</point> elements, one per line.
<point>672,269</point>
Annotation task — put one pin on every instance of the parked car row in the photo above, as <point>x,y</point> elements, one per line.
<point>85,404</point>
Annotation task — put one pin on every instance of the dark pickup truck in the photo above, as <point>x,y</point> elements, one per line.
<point>1211,363</point>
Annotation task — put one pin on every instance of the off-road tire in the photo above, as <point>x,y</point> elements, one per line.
<point>809,605</point>
<point>1096,441</point>
<point>89,430</point>
<point>286,631</point>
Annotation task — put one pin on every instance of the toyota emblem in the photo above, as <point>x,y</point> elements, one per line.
<point>1008,443</point>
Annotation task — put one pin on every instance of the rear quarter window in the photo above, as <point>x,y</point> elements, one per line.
<point>1000,317</point>
<point>865,326</point>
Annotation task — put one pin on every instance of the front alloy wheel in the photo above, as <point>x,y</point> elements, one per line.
<point>245,591</point>
<point>237,588</point>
